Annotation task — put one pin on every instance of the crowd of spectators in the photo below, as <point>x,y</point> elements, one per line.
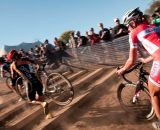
<point>108,34</point>
<point>91,37</point>
<point>104,35</point>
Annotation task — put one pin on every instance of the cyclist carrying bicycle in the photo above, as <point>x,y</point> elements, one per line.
<point>148,36</point>
<point>34,85</point>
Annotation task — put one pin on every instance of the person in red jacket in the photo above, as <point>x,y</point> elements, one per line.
<point>93,37</point>
<point>148,36</point>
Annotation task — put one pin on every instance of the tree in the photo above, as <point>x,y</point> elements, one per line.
<point>65,36</point>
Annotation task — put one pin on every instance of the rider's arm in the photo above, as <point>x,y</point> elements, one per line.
<point>30,61</point>
<point>132,54</point>
<point>146,60</point>
<point>13,67</point>
<point>132,58</point>
<point>12,71</point>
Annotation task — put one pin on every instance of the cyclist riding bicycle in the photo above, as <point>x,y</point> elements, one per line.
<point>148,36</point>
<point>34,85</point>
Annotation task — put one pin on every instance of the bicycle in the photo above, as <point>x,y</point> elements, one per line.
<point>55,87</point>
<point>5,74</point>
<point>134,97</point>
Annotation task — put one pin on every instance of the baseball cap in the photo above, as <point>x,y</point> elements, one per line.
<point>116,19</point>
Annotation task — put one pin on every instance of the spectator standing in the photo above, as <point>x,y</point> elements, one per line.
<point>119,29</point>
<point>104,33</point>
<point>60,44</point>
<point>93,37</point>
<point>31,53</point>
<point>22,52</point>
<point>156,19</point>
<point>72,40</point>
<point>111,32</point>
<point>73,44</point>
<point>87,36</point>
<point>48,47</point>
<point>81,40</point>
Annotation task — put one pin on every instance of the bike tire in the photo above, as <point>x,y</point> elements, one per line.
<point>9,83</point>
<point>142,109</point>
<point>59,89</point>
<point>21,89</point>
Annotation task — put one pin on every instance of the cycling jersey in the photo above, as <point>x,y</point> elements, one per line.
<point>149,37</point>
<point>24,67</point>
<point>155,73</point>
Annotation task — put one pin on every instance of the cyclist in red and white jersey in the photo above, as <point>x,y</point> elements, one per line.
<point>148,36</point>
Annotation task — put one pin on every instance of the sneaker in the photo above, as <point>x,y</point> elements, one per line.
<point>49,116</point>
<point>156,125</point>
<point>45,108</point>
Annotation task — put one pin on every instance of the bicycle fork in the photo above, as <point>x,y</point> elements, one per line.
<point>137,92</point>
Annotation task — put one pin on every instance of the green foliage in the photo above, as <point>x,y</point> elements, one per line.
<point>65,36</point>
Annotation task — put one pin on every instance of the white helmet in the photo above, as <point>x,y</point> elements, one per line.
<point>132,15</point>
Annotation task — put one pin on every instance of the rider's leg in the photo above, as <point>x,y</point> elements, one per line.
<point>13,80</point>
<point>40,100</point>
<point>154,93</point>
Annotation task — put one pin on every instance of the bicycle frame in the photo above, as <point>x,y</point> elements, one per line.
<point>142,74</point>
<point>141,79</point>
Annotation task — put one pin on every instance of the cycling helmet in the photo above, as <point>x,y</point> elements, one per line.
<point>132,15</point>
<point>12,54</point>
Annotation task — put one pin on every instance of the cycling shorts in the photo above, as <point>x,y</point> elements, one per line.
<point>155,73</point>
<point>35,86</point>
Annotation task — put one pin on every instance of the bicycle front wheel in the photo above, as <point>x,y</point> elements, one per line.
<point>59,89</point>
<point>140,106</point>
<point>20,88</point>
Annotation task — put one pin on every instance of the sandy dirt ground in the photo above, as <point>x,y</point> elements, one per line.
<point>102,111</point>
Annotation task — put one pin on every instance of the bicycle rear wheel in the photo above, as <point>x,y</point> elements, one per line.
<point>20,89</point>
<point>142,108</point>
<point>59,89</point>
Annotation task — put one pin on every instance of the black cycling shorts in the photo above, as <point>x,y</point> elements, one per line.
<point>35,86</point>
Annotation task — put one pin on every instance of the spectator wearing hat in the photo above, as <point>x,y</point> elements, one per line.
<point>156,19</point>
<point>119,29</point>
<point>81,40</point>
<point>104,33</point>
<point>93,37</point>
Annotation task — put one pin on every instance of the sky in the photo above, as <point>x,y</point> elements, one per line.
<point>32,20</point>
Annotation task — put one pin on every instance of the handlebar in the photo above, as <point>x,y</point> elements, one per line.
<point>138,65</point>
<point>135,66</point>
